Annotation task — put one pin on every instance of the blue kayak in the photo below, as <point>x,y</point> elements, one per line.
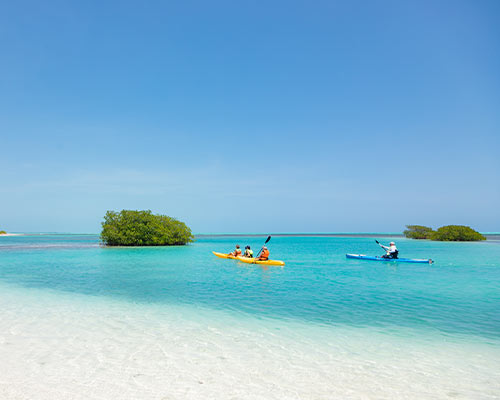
<point>371,258</point>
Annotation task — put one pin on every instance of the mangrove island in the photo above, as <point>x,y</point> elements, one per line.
<point>143,228</point>
<point>448,233</point>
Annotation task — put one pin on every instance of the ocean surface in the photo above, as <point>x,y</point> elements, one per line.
<point>80,321</point>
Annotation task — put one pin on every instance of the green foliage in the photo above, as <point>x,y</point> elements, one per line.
<point>418,232</point>
<point>2,232</point>
<point>456,233</point>
<point>143,228</point>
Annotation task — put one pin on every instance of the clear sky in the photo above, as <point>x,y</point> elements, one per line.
<point>250,116</point>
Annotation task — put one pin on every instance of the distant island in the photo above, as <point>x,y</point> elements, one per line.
<point>448,233</point>
<point>4,233</point>
<point>143,228</point>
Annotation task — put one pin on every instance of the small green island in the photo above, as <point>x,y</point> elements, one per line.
<point>143,228</point>
<point>448,233</point>
<point>3,233</point>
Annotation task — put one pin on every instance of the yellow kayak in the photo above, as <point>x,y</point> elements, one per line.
<point>251,260</point>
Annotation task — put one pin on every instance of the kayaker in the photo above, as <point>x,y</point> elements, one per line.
<point>264,256</point>
<point>236,252</point>
<point>391,251</point>
<point>248,252</point>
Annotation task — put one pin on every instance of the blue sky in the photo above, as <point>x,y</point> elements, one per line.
<point>262,116</point>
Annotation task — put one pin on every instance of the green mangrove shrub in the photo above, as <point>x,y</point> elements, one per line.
<point>458,233</point>
<point>418,232</point>
<point>143,228</point>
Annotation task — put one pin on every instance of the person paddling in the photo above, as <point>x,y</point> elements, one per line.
<point>264,256</point>
<point>391,251</point>
<point>236,252</point>
<point>248,252</point>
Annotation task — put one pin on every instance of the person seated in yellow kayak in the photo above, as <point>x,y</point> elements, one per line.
<point>236,252</point>
<point>248,252</point>
<point>264,256</point>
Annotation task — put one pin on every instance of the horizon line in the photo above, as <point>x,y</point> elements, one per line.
<point>247,234</point>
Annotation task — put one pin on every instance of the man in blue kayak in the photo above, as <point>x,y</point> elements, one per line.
<point>391,251</point>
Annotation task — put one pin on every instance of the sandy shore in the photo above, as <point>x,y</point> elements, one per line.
<point>11,234</point>
<point>59,346</point>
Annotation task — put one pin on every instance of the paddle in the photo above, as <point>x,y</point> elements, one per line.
<point>380,244</point>
<point>267,240</point>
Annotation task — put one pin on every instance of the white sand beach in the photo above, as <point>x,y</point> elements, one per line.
<point>60,346</point>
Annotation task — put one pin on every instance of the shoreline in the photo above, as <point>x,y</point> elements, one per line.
<point>107,355</point>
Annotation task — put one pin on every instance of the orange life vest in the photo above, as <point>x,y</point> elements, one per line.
<point>265,254</point>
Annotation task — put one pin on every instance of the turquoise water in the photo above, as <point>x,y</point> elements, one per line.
<point>85,322</point>
<point>458,295</point>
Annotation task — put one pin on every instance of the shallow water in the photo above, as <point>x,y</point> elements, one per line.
<point>177,322</point>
